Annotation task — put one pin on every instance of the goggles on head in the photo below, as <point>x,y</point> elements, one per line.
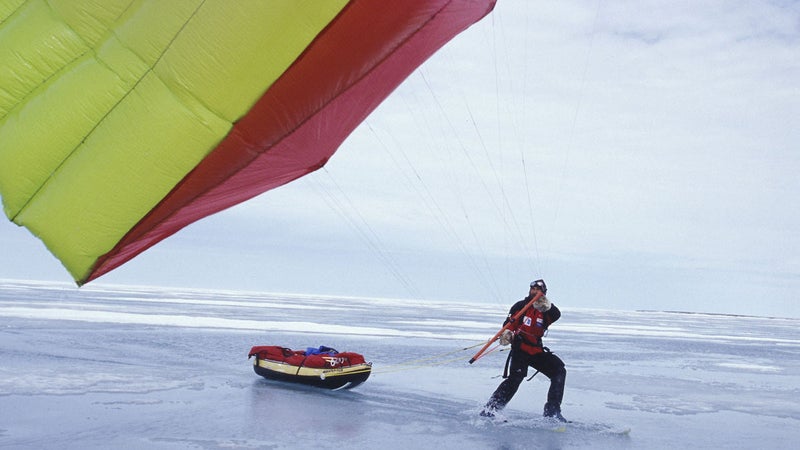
<point>539,284</point>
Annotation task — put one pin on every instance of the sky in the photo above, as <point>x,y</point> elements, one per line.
<point>636,155</point>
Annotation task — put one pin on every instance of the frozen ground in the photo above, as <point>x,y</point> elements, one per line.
<point>105,367</point>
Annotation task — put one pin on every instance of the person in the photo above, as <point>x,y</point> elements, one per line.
<point>525,337</point>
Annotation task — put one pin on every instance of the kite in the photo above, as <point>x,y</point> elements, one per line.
<point>123,121</point>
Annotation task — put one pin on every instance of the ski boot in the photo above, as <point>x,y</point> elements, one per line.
<point>490,409</point>
<point>554,411</point>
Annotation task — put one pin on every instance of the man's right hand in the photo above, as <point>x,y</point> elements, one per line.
<point>506,337</point>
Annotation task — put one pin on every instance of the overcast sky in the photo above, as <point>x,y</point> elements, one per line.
<point>636,155</point>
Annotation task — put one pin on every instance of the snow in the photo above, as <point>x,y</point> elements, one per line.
<point>145,367</point>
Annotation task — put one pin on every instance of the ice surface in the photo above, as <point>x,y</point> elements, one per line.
<point>101,367</point>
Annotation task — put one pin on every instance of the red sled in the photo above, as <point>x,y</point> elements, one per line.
<point>321,367</point>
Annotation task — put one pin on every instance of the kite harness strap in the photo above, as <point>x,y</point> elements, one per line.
<point>508,361</point>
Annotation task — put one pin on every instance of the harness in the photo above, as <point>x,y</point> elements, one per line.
<point>520,338</point>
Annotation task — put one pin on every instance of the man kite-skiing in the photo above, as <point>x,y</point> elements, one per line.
<point>525,336</point>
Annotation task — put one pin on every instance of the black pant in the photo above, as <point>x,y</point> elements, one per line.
<point>547,363</point>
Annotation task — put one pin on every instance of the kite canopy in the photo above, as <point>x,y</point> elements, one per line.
<point>123,121</point>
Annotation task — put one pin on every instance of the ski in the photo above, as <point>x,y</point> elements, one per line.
<point>553,425</point>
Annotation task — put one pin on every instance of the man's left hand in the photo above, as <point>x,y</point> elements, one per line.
<point>542,304</point>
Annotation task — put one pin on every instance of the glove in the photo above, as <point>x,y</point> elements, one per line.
<point>542,304</point>
<point>506,337</point>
